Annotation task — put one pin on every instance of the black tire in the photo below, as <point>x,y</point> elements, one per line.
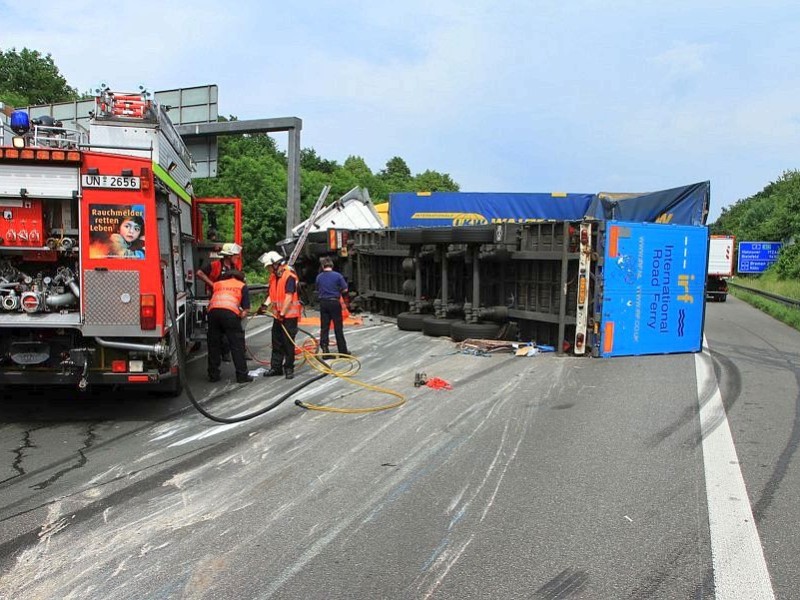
<point>412,235</point>
<point>316,249</point>
<point>438,235</point>
<point>723,298</point>
<point>436,327</point>
<point>408,321</point>
<point>170,388</point>
<point>318,236</point>
<point>460,331</point>
<point>473,234</point>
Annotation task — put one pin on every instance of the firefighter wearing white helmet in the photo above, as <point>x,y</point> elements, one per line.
<point>284,302</point>
<point>270,258</point>
<point>212,272</point>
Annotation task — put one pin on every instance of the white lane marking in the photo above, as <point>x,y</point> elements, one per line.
<point>740,571</point>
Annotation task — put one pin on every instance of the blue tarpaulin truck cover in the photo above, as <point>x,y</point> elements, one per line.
<point>687,205</point>
<point>443,209</point>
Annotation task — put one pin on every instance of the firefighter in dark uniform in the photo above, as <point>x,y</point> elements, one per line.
<point>285,304</point>
<point>229,305</point>
<point>330,287</point>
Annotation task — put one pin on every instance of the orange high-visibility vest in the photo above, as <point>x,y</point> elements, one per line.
<point>279,296</point>
<point>227,295</point>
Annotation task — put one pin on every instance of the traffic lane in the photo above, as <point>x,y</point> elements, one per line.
<point>159,460</point>
<point>49,432</point>
<point>531,473</point>
<point>551,478</point>
<point>46,438</point>
<point>61,444</point>
<point>757,361</point>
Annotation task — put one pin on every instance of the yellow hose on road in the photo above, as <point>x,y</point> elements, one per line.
<point>350,366</point>
<point>354,365</point>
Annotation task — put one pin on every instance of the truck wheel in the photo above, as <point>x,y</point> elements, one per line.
<point>408,321</point>
<point>473,234</point>
<point>437,235</point>
<point>412,235</point>
<point>436,327</point>
<point>317,249</point>
<point>461,331</point>
<point>723,298</point>
<point>171,388</point>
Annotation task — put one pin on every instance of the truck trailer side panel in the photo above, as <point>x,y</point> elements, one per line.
<point>652,298</point>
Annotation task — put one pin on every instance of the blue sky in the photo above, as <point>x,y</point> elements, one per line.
<point>536,96</point>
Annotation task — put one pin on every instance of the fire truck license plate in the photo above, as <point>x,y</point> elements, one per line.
<point>111,181</point>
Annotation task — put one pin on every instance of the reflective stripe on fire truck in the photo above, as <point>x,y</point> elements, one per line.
<point>171,183</point>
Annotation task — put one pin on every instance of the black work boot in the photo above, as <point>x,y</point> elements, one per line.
<point>273,372</point>
<point>324,349</point>
<point>289,373</point>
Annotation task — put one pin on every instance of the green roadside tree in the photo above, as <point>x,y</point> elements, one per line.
<point>27,77</point>
<point>771,215</point>
<point>252,168</point>
<point>433,181</point>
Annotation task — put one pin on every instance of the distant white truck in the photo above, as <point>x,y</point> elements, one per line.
<point>720,267</point>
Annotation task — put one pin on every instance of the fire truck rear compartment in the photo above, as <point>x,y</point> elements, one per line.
<point>58,356</point>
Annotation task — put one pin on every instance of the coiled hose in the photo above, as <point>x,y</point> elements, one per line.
<point>339,365</point>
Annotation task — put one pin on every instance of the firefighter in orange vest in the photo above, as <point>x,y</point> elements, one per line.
<point>229,305</point>
<point>211,273</point>
<point>285,304</point>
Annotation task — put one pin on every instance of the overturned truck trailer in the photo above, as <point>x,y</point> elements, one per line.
<point>585,282</point>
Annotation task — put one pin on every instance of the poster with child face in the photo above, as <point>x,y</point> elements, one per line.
<point>116,231</point>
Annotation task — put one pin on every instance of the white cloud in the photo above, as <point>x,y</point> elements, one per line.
<point>512,96</point>
<point>684,59</point>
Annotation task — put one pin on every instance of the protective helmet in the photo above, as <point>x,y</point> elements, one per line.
<point>270,258</point>
<point>230,250</point>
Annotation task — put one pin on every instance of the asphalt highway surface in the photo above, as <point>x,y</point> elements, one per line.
<point>544,477</point>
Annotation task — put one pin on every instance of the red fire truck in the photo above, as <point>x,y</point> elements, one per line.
<point>100,237</point>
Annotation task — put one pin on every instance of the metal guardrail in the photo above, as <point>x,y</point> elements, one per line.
<point>782,299</point>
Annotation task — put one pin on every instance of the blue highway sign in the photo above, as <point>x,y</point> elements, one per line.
<point>757,257</point>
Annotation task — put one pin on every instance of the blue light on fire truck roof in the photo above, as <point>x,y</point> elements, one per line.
<point>20,123</point>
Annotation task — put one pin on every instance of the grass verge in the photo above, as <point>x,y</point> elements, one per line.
<point>769,282</point>
<point>785,314</point>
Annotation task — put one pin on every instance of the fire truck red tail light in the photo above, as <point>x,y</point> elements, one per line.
<point>43,155</point>
<point>145,177</point>
<point>28,154</point>
<point>11,153</point>
<point>58,155</point>
<point>579,340</point>
<point>584,237</point>
<point>74,156</point>
<point>147,311</point>
<point>119,366</point>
